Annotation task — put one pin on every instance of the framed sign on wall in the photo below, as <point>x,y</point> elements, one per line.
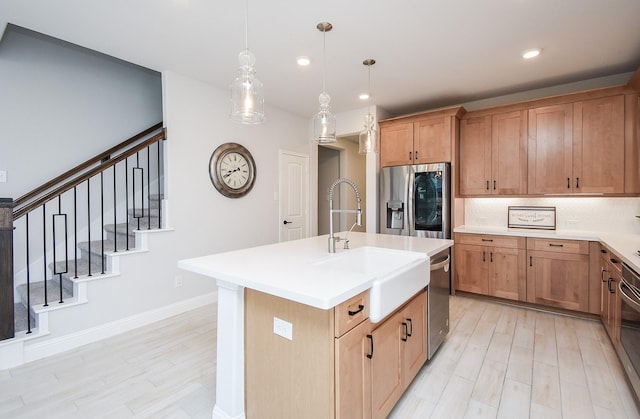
<point>543,218</point>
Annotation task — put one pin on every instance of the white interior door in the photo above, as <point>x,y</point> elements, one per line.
<point>294,196</point>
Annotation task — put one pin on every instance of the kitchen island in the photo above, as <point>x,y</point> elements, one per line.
<point>301,272</point>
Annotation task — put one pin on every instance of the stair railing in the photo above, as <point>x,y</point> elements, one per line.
<point>49,222</point>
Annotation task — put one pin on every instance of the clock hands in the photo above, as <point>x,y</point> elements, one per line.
<point>237,169</point>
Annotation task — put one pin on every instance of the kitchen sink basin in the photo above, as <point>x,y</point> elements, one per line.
<point>397,275</point>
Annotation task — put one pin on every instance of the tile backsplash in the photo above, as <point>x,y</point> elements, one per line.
<point>592,214</point>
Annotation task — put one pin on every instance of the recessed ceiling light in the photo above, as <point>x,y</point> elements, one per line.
<point>303,61</point>
<point>364,96</point>
<point>531,53</point>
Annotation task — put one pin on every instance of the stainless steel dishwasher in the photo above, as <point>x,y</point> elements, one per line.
<point>438,301</point>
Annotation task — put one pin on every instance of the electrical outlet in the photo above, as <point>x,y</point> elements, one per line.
<point>3,176</point>
<point>178,281</point>
<point>282,328</point>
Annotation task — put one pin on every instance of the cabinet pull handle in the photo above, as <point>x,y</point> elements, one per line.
<point>487,185</point>
<point>494,185</point>
<point>491,257</point>
<point>556,245</point>
<point>487,240</point>
<point>609,286</point>
<point>353,313</point>
<point>410,328</point>
<point>416,154</point>
<point>578,182</point>
<point>370,337</point>
<point>614,260</point>
<point>568,183</point>
<point>483,256</point>
<point>603,270</point>
<point>406,332</point>
<point>603,251</point>
<point>530,260</point>
<point>410,156</point>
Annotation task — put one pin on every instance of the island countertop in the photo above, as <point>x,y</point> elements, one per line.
<point>288,269</point>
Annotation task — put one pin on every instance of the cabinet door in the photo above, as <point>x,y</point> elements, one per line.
<point>507,278</point>
<point>431,141</point>
<point>550,150</point>
<point>472,271</point>
<point>353,395</point>
<point>598,145</point>
<point>385,364</point>
<point>509,153</point>
<point>558,279</point>
<point>475,156</point>
<point>604,291</point>
<point>396,144</point>
<point>613,318</point>
<point>415,346</point>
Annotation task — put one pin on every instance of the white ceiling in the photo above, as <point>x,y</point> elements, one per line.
<point>429,53</point>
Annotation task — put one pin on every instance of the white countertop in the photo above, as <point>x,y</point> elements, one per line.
<point>624,246</point>
<point>286,269</point>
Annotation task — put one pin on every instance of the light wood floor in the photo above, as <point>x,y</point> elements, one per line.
<point>498,361</point>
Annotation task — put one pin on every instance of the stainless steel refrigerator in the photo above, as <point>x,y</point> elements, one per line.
<point>415,200</point>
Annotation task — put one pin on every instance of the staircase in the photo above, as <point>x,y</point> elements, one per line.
<point>118,239</point>
<point>71,232</point>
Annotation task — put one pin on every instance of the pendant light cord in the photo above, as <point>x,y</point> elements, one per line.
<point>246,26</point>
<point>324,59</point>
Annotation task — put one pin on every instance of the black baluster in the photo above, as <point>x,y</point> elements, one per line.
<point>149,187</point>
<point>75,233</point>
<point>159,191</point>
<point>115,208</point>
<point>102,220</point>
<point>44,255</point>
<point>89,223</point>
<point>126,199</point>
<point>28,280</point>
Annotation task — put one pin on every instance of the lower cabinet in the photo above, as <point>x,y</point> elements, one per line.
<point>549,272</point>
<point>491,265</point>
<point>398,349</point>
<point>610,303</point>
<point>558,273</point>
<point>337,364</point>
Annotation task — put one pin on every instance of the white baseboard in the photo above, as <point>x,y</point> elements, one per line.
<point>38,350</point>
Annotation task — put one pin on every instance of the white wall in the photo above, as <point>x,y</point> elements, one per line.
<point>205,221</point>
<point>61,105</point>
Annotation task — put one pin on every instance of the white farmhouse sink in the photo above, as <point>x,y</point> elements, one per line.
<point>397,275</point>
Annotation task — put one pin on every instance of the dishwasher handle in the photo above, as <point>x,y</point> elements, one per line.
<point>441,264</point>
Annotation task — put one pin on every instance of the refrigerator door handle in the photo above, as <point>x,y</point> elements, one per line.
<point>409,211</point>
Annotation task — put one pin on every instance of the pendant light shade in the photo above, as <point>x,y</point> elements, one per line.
<point>324,123</point>
<point>247,94</point>
<point>368,139</point>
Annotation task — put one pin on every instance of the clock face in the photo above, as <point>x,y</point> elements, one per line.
<point>232,170</point>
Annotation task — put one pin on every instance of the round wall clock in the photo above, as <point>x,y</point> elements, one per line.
<point>232,170</point>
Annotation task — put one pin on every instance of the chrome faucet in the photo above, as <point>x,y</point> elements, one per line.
<point>333,240</point>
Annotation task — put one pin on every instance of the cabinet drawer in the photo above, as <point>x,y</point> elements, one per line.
<point>491,240</point>
<point>558,245</point>
<point>350,313</point>
<point>611,260</point>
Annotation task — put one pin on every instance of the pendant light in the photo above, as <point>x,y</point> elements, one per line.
<point>247,96</point>
<point>324,123</point>
<point>368,139</point>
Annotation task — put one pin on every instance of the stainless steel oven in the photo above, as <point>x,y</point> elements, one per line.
<point>629,350</point>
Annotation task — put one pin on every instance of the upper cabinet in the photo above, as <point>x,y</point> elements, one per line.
<point>580,144</point>
<point>493,154</point>
<point>419,139</point>
<point>550,149</point>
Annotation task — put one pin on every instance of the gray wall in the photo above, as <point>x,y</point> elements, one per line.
<point>61,104</point>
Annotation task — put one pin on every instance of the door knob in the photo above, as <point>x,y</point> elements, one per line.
<point>287,222</point>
